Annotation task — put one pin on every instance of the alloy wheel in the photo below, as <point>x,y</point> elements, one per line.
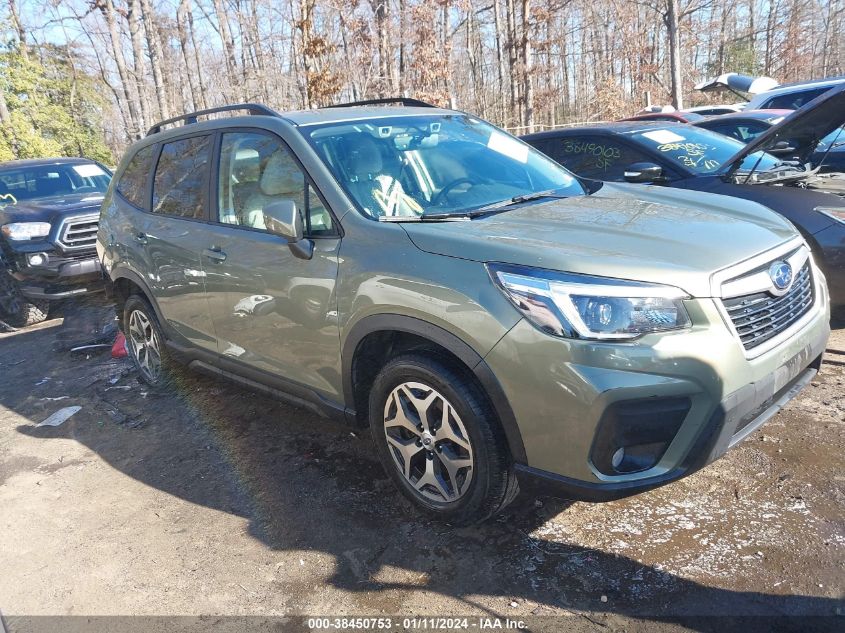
<point>428,442</point>
<point>145,345</point>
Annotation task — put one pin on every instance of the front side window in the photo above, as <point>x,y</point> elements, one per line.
<point>596,157</point>
<point>415,164</point>
<point>133,181</point>
<point>257,170</point>
<point>697,150</point>
<point>180,185</point>
<point>49,181</point>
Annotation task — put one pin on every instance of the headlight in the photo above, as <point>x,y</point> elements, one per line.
<point>837,213</point>
<point>26,230</point>
<point>581,306</point>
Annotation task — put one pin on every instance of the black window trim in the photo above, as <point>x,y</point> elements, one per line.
<point>214,180</point>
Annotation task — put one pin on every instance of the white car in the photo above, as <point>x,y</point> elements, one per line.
<point>792,96</point>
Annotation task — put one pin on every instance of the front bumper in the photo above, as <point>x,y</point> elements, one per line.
<point>60,278</point>
<point>562,390</point>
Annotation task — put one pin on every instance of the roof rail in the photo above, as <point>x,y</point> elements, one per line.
<point>254,109</point>
<point>405,101</point>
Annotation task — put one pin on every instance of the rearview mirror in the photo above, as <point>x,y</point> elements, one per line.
<point>644,172</point>
<point>282,218</point>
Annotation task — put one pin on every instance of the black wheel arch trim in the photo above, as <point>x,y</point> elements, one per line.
<point>463,351</point>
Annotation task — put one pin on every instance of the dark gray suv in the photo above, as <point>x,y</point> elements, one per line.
<point>494,321</point>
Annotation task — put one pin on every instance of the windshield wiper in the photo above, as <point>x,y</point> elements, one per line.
<point>501,205</point>
<point>469,214</point>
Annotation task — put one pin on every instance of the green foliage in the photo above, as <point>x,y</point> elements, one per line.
<point>740,57</point>
<point>55,110</point>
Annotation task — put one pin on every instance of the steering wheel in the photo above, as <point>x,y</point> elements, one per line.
<point>440,195</point>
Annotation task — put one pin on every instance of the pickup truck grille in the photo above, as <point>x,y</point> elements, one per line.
<point>761,316</point>
<point>79,233</point>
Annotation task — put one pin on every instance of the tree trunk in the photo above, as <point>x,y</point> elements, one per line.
<point>19,29</point>
<point>107,8</point>
<point>154,47</point>
<point>671,19</point>
<point>228,50</point>
<point>527,70</point>
<point>515,112</point>
<point>500,61</point>
<point>138,64</point>
<point>182,27</point>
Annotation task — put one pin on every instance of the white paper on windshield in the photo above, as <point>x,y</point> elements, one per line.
<point>509,147</point>
<point>88,171</point>
<point>663,136</point>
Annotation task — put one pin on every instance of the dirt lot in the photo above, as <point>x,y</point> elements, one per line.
<point>213,500</point>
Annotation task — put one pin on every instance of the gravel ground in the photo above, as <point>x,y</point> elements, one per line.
<point>213,500</point>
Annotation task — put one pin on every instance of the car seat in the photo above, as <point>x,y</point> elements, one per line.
<point>379,192</point>
<point>281,180</point>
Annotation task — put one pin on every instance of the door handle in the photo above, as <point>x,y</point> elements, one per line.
<point>141,238</point>
<point>215,254</point>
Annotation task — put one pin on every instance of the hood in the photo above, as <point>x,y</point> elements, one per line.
<point>652,234</point>
<point>49,209</point>
<point>803,129</point>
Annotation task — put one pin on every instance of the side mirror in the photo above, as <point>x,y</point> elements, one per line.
<point>781,148</point>
<point>282,218</point>
<point>644,172</point>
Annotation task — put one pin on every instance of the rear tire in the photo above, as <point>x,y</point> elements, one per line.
<point>145,342</point>
<point>439,439</point>
<point>15,309</point>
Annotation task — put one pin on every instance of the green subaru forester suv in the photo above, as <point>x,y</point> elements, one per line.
<point>495,321</point>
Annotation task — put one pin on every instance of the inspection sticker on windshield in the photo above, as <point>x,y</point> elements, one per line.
<point>88,171</point>
<point>509,147</point>
<point>661,137</point>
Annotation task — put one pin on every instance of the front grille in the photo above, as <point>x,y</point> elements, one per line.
<point>79,233</point>
<point>761,316</point>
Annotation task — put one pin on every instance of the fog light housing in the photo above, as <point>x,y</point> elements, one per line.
<point>633,435</point>
<point>36,259</point>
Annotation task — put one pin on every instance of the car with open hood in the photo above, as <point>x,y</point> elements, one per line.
<point>49,210</point>
<point>782,168</point>
<point>496,322</point>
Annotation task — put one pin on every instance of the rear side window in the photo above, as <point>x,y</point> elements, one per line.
<point>180,187</point>
<point>794,100</point>
<point>133,181</point>
<point>597,157</point>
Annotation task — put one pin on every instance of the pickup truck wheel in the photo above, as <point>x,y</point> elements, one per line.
<point>15,309</point>
<point>439,440</point>
<point>145,342</point>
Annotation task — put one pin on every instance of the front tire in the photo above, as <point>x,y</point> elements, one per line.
<point>439,439</point>
<point>15,309</point>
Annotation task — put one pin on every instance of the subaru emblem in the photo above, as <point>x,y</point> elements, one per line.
<point>781,274</point>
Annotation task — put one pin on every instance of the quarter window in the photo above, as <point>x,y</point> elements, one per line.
<point>133,181</point>
<point>257,170</point>
<point>180,185</point>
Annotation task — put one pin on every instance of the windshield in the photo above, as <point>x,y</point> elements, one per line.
<point>413,165</point>
<point>47,181</point>
<point>700,151</point>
